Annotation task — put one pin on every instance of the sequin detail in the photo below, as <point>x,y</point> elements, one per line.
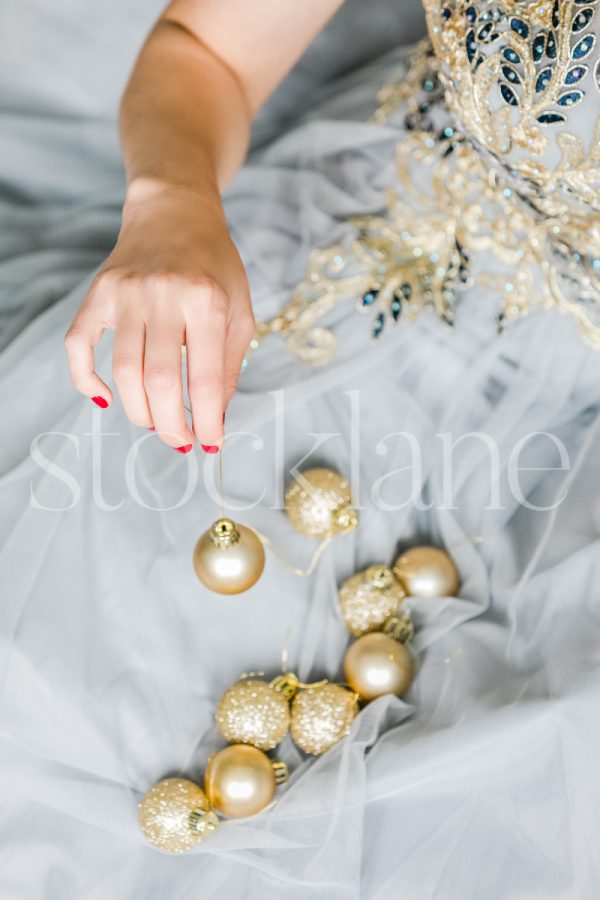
<point>322,716</point>
<point>253,712</point>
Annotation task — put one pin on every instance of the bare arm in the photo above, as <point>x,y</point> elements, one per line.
<point>174,276</point>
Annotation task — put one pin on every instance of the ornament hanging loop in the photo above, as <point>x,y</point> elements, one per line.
<point>289,684</point>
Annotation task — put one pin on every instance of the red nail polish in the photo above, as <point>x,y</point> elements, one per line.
<point>152,428</point>
<point>185,449</point>
<point>209,448</point>
<point>100,401</point>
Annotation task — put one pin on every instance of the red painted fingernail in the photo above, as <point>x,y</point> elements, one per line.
<point>100,401</point>
<point>152,428</point>
<point>209,448</point>
<point>185,449</point>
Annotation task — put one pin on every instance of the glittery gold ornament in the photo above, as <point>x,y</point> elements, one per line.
<point>322,716</point>
<point>253,712</point>
<point>240,780</point>
<point>229,558</point>
<point>369,598</point>
<point>175,815</point>
<point>376,664</point>
<point>319,504</point>
<point>427,572</point>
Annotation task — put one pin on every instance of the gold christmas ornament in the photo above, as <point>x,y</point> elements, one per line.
<point>322,716</point>
<point>253,712</point>
<point>427,572</point>
<point>376,664</point>
<point>319,504</point>
<point>229,558</point>
<point>240,780</point>
<point>175,815</point>
<point>369,598</point>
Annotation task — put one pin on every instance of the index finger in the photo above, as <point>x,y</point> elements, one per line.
<point>80,340</point>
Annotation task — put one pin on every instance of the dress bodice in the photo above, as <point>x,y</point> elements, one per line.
<point>522,78</point>
<point>498,177</point>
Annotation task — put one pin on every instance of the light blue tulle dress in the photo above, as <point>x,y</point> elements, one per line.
<point>393,218</point>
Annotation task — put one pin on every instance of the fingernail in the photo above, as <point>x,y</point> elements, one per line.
<point>100,401</point>
<point>209,448</point>
<point>152,428</point>
<point>185,449</point>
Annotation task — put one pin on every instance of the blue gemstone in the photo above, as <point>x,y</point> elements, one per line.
<point>521,27</point>
<point>484,32</point>
<point>576,74</point>
<point>581,19</point>
<point>550,118</point>
<point>406,290</point>
<point>584,46</point>
<point>471,45</point>
<point>551,46</point>
<point>509,95</point>
<point>471,14</point>
<point>370,297</point>
<point>511,55</point>
<point>555,16</point>
<point>570,99</point>
<point>537,48</point>
<point>542,80</point>
<point>446,13</point>
<point>396,308</point>
<point>511,74</point>
<point>379,325</point>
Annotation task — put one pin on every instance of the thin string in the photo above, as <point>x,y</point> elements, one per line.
<point>221,492</point>
<point>301,573</point>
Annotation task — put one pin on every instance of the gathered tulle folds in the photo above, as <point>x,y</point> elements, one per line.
<point>482,782</point>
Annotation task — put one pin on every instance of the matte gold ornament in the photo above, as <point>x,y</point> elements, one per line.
<point>319,504</point>
<point>229,558</point>
<point>427,572</point>
<point>369,598</point>
<point>322,716</point>
<point>253,712</point>
<point>240,780</point>
<point>175,815</point>
<point>376,664</point>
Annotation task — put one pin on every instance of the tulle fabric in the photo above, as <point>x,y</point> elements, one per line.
<point>482,782</point>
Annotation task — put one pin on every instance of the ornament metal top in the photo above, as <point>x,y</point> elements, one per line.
<point>229,558</point>
<point>319,504</point>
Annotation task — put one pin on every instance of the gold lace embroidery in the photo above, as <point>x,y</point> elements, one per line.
<point>480,203</point>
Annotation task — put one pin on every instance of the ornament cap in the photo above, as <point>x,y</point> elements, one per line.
<point>286,684</point>
<point>223,533</point>
<point>380,577</point>
<point>203,821</point>
<point>280,771</point>
<point>345,519</point>
<point>400,628</point>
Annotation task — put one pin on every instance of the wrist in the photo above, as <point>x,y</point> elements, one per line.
<point>150,189</point>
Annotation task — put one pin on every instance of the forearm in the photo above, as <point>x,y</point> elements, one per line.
<point>185,119</point>
<point>205,70</point>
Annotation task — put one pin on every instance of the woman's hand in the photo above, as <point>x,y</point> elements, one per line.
<point>174,278</point>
